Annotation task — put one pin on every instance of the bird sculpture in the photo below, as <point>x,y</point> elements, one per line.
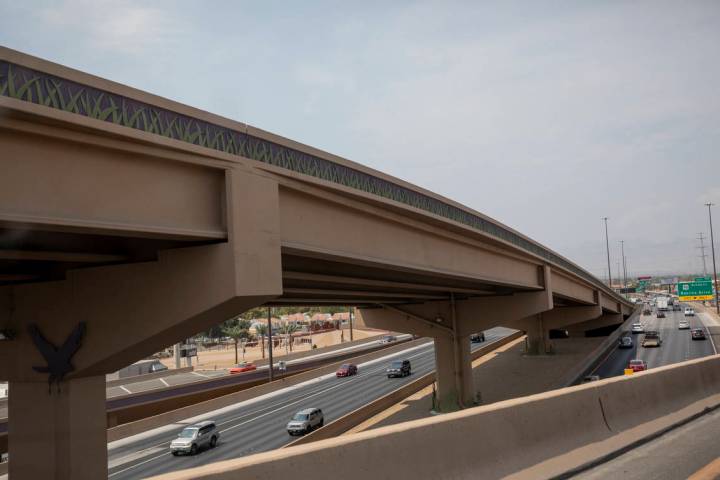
<point>58,359</point>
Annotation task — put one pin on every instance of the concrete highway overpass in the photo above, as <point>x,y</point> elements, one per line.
<point>129,222</point>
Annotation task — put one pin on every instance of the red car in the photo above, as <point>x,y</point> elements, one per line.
<point>346,370</point>
<point>637,365</point>
<point>243,367</point>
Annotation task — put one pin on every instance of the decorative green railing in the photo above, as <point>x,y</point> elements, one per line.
<point>51,91</point>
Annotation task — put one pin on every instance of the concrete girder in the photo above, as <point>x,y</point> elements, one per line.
<point>538,326</point>
<point>605,320</point>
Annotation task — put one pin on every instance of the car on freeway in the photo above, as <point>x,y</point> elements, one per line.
<point>625,342</point>
<point>195,437</point>
<point>388,339</point>
<point>697,334</point>
<point>683,325</point>
<point>651,339</point>
<point>477,337</point>
<point>398,368</point>
<point>556,333</point>
<point>660,314</point>
<point>689,312</point>
<point>243,367</point>
<point>305,421</point>
<point>647,311</point>
<point>346,370</point>
<point>591,378</point>
<point>637,365</point>
<point>677,307</point>
<point>637,328</point>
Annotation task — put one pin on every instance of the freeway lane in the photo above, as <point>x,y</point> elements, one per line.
<point>676,347</point>
<point>259,424</point>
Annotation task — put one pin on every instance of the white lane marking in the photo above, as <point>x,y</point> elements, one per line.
<point>164,382</point>
<point>284,404</point>
<point>172,426</point>
<point>199,374</point>
<point>124,389</point>
<point>131,456</point>
<point>706,319</point>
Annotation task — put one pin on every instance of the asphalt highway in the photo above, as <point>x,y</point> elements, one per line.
<point>259,424</point>
<point>687,452</point>
<point>677,346</point>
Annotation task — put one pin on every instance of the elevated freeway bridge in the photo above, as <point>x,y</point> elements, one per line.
<point>146,221</point>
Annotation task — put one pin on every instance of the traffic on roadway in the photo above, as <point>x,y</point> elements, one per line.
<point>676,343</point>
<point>261,424</point>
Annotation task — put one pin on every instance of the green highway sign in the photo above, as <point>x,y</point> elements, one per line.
<point>700,290</point>
<point>703,279</point>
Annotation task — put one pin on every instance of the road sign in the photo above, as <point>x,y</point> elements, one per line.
<point>642,285</point>
<point>694,291</point>
<point>703,279</point>
<point>629,371</point>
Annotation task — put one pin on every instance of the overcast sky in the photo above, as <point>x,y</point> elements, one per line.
<point>544,115</point>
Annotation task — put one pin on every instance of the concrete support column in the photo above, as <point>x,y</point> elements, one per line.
<point>58,435</point>
<point>538,336</point>
<point>453,373</point>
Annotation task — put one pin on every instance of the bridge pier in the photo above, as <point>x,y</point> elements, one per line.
<point>58,434</point>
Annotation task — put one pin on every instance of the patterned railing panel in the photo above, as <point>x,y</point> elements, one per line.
<point>44,89</point>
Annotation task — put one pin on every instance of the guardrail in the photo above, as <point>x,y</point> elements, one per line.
<point>541,436</point>
<point>356,417</point>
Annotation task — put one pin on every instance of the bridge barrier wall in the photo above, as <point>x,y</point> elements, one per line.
<point>3,468</point>
<point>356,417</point>
<point>496,440</point>
<point>148,421</point>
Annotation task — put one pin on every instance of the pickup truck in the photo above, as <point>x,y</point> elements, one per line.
<point>651,339</point>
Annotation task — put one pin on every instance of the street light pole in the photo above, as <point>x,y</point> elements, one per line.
<point>350,321</point>
<point>622,246</point>
<point>270,345</point>
<point>607,246</point>
<point>712,245</point>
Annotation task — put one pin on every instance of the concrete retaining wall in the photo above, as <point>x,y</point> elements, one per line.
<point>3,468</point>
<point>495,440</point>
<point>152,421</point>
<point>356,417</point>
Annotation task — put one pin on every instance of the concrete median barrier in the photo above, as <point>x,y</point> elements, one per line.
<point>510,438</point>
<point>148,421</point>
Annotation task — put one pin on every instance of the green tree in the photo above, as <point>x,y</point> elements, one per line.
<point>261,329</point>
<point>238,329</point>
<point>288,329</point>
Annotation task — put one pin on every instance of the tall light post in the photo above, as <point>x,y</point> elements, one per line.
<point>712,245</point>
<point>607,246</point>
<point>270,344</point>
<point>622,247</point>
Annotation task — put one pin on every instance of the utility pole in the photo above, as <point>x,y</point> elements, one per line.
<point>702,253</point>
<point>607,247</point>
<point>712,247</point>
<point>622,246</point>
<point>270,345</point>
<point>350,321</point>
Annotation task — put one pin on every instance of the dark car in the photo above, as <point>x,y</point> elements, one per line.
<point>346,370</point>
<point>558,333</point>
<point>398,368</point>
<point>697,334</point>
<point>477,337</point>
<point>625,342</point>
<point>660,314</point>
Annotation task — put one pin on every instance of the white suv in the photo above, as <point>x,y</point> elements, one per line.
<point>689,312</point>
